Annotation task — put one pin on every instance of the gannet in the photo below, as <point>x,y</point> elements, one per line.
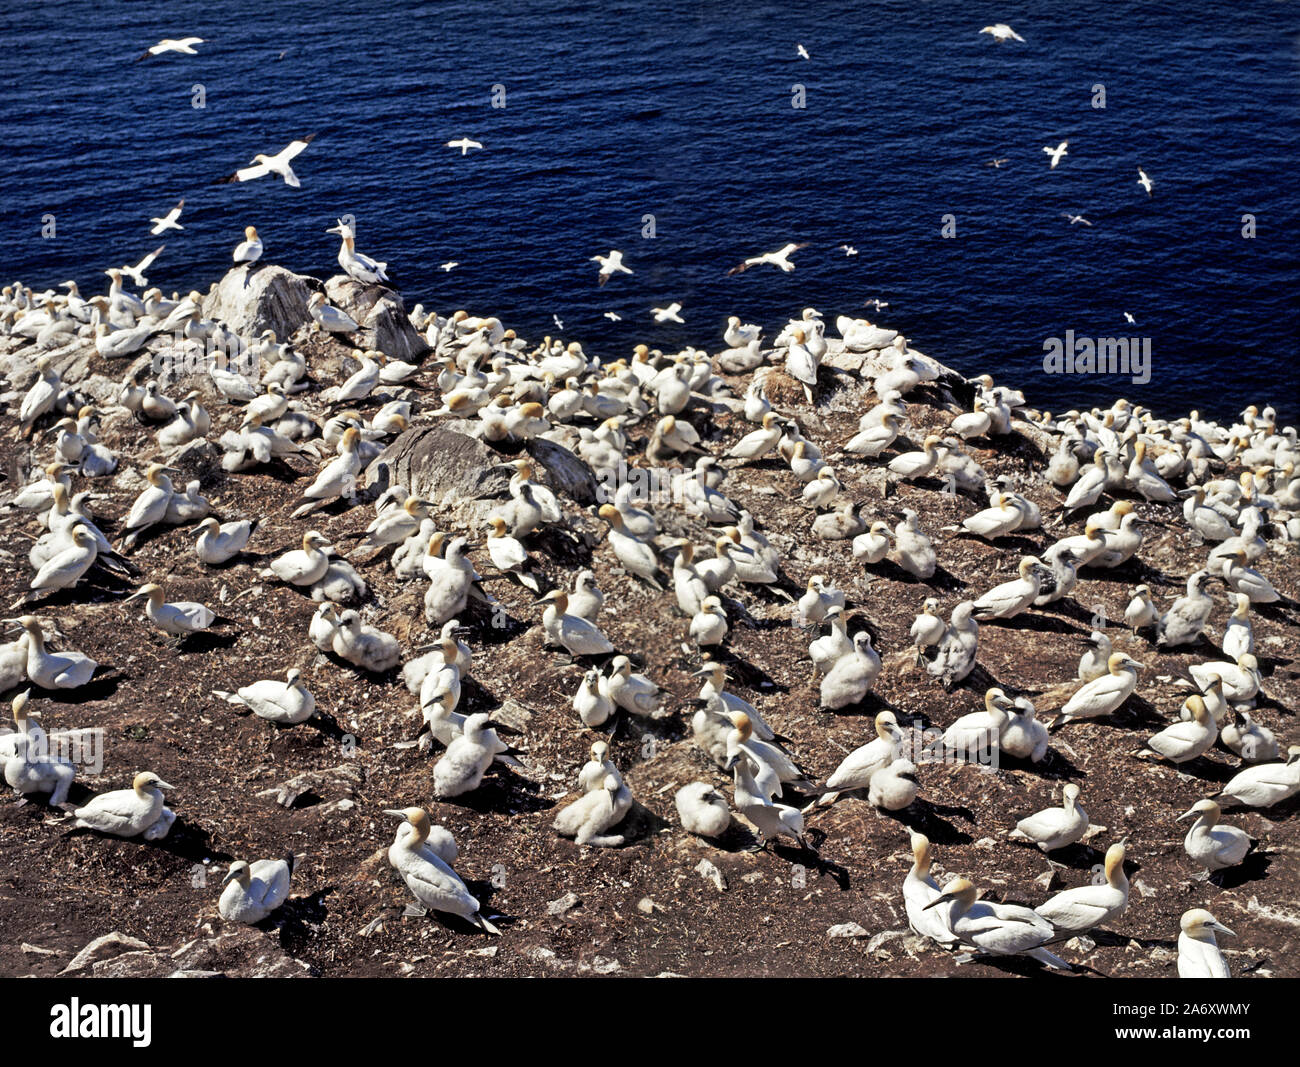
<point>594,771</point>
<point>668,314</point>
<point>136,273</point>
<point>873,546</point>
<point>1075,219</point>
<point>219,542</point>
<point>977,734</point>
<point>138,811</point>
<point>780,258</point>
<point>361,644</point>
<point>1054,828</point>
<point>576,635</point>
<point>1267,784</point>
<point>870,441</point>
<point>714,675</point>
<point>1024,737</point>
<point>1186,740</point>
<point>771,820</point>
<point>27,764</point>
<point>253,891</point>
<point>633,692</point>
<point>1238,632</point>
<point>179,619</point>
<point>894,787</point>
<point>328,317</point>
<point>1141,611</point>
<point>427,874</point>
<point>1056,153</point>
<point>857,768</point>
<point>1102,695</point>
<point>592,702</point>
<point>276,164</point>
<point>150,507</point>
<point>184,45</point>
<point>249,250</point>
<point>1095,661</point>
<point>338,478</point>
<point>709,625</point>
<point>588,817</point>
<point>635,556</point>
<point>356,266</point>
<point>1002,32</point>
<point>1198,952</point>
<point>586,600</point>
<point>1009,599</point>
<point>818,599</point>
<point>1248,739</point>
<point>1210,843</point>
<point>464,144</point>
<point>757,444</point>
<point>1247,581</point>
<point>958,648</point>
<point>52,670</point>
<point>995,929</point>
<point>1186,618</point>
<point>609,264</point>
<point>774,769</point>
<point>67,566</point>
<point>288,702</point>
<point>467,758</point>
<point>1078,910</point>
<point>920,890</point>
<point>40,398</point>
<point>913,549</point>
<point>302,566</point>
<point>168,221</point>
<point>1144,181</point>
<point>702,809</point>
<point>1240,680</point>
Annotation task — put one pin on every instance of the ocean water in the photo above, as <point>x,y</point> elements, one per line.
<point>683,111</point>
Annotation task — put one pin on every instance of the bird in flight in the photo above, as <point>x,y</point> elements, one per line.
<point>779,258</point>
<point>1075,218</point>
<point>609,264</point>
<point>848,250</point>
<point>613,316</point>
<point>184,45</point>
<point>168,221</point>
<point>803,52</point>
<point>668,314</point>
<point>1144,181</point>
<point>1056,153</point>
<point>464,144</point>
<point>136,273</point>
<point>558,324</point>
<point>996,162</point>
<point>263,165</point>
<point>1130,319</point>
<point>875,302</point>
<point>449,266</point>
<point>1002,32</point>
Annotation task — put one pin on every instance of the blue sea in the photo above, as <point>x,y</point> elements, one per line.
<point>684,112</point>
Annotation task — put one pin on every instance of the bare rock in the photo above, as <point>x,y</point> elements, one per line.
<point>262,297</point>
<point>102,948</point>
<point>384,322</point>
<point>849,930</point>
<point>567,473</point>
<point>560,905</point>
<point>513,715</point>
<point>337,782</point>
<point>431,461</point>
<point>709,871</point>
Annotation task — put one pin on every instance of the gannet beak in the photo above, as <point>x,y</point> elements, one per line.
<point>731,762</point>
<point>1220,928</point>
<point>942,898</point>
<point>1187,815</point>
<point>164,785</point>
<point>395,811</point>
<point>134,596</point>
<point>230,877</point>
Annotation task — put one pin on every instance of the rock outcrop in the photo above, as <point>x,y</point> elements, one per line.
<point>384,322</point>
<point>251,300</point>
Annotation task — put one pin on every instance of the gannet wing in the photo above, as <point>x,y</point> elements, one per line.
<point>296,147</point>
<point>257,170</point>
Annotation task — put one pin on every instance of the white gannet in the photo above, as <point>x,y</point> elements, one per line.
<point>1266,784</point>
<point>138,811</point>
<point>508,554</point>
<point>1009,599</point>
<point>1002,32</point>
<point>52,670</point>
<point>302,566</point>
<point>40,398</point>
<point>1056,153</point>
<point>634,555</point>
<point>288,702</point>
<point>927,629</point>
<point>709,625</point>
<point>1238,632</point>
<point>593,772</point>
<point>1144,181</point>
<point>451,578</point>
<point>464,144</point>
<point>913,549</point>
<point>150,507</point>
<point>771,819</point>
<point>168,221</point>
<point>1210,843</point>
<point>356,266</point>
<point>1246,581</point>
<point>1141,611</point>
<point>958,648</point>
<point>1186,618</point>
<point>262,164</point>
<point>427,874</point>
<point>920,890</point>
<point>850,678</point>
<point>1024,737</point>
<point>27,763</point>
<point>978,733</point>
<point>857,768</point>
<point>1095,661</point>
<point>893,788</point>
<point>669,314</point>
<point>136,273</point>
<point>586,600</point>
<point>1102,695</point>
<point>183,45</point>
<point>338,478</point>
<point>873,546</point>
<point>702,809</point>
<point>633,692</point>
<point>1240,680</point>
<point>609,264</point>
<point>780,258</point>
<point>1078,910</point>
<point>1054,828</point>
<point>592,701</point>
<point>253,891</point>
<point>1199,955</point>
<point>462,766</point>
<point>179,619</point>
<point>576,635</point>
<point>67,566</point>
<point>220,542</point>
<point>249,250</point>
<point>1186,740</point>
<point>995,929</point>
<point>596,811</point>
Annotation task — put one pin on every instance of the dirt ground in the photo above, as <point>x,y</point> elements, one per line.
<point>653,906</point>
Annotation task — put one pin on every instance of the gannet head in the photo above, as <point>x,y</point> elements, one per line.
<point>147,780</point>
<point>20,710</point>
<point>887,726</point>
<point>921,853</point>
<point>1196,705</point>
<point>559,598</point>
<point>1206,809</point>
<point>418,818</point>
<point>152,590</point>
<point>239,872</point>
<point>1201,925</point>
<point>961,889</point>
<point>250,233</point>
<point>611,515</point>
<point>1247,661</point>
<point>1070,794</point>
<point>1118,662</point>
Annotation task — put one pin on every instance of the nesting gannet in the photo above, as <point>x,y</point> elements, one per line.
<point>427,874</point>
<point>183,45</point>
<point>52,670</point>
<point>995,929</point>
<point>635,556</point>
<point>894,787</point>
<point>40,398</point>
<point>138,811</point>
<point>150,507</point>
<point>328,317</point>
<point>978,733</point>
<point>362,645</point>
<point>633,692</point>
<point>263,165</point>
<point>1002,32</point>
<point>850,678</point>
<point>913,549</point>
<point>338,478</point>
<point>1248,582</point>
<point>219,542</point>
<point>179,619</point>
<point>1240,680</point>
<point>920,890</point>
<point>586,600</point>
<point>1078,910</point>
<point>709,625</point>
<point>464,144</point>
<point>594,771</point>
<point>68,565</point>
<point>1186,618</point>
<point>1266,784</point>
<point>1009,599</point>
<point>1248,739</point>
<point>462,766</point>
<point>1054,828</point>
<point>302,566</point>
<point>857,768</point>
<point>1095,660</point>
<point>1141,611</point>
<point>254,890</point>
<point>1024,737</point>
<point>702,809</point>
<point>959,647</point>
<point>27,763</point>
<point>288,702</point>
<point>1056,153</point>
<point>873,546</point>
<point>1238,632</point>
<point>1199,955</point>
<point>576,635</point>
<point>1210,843</point>
<point>592,701</point>
<point>1102,695</point>
<point>596,811</point>
<point>1186,740</point>
<point>771,820</point>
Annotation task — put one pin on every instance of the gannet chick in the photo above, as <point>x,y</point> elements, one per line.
<point>27,764</point>
<point>913,549</point>
<point>138,811</point>
<point>463,765</point>
<point>1248,739</point>
<point>1186,740</point>
<point>1267,784</point>
<point>427,874</point>
<point>304,566</point>
<point>858,767</point>
<point>850,679</point>
<point>1054,828</point>
<point>955,658</point>
<point>179,619</point>
<point>1102,695</point>
<point>1024,737</point>
<point>577,636</point>
<point>703,810</point>
<point>253,891</point>
<point>220,542</point>
<point>873,546</point>
<point>1141,611</point>
<point>995,929</point>
<point>1076,911</point>
<point>288,702</point>
<point>709,626</point>
<point>894,787</point>
<point>588,817</point>
<point>592,702</point>
<point>1210,843</point>
<point>919,891</point>
<point>633,692</point>
<point>1095,660</point>
<point>362,645</point>
<point>1198,952</point>
<point>1186,618</point>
